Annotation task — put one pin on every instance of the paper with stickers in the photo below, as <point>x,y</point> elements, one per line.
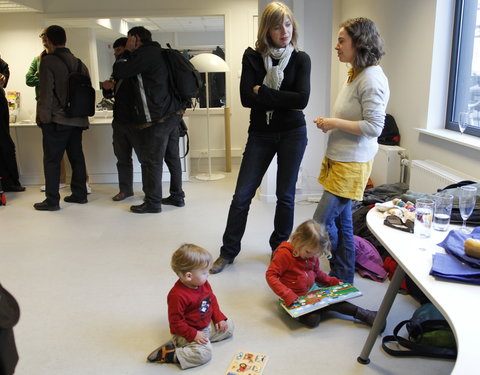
<point>247,363</point>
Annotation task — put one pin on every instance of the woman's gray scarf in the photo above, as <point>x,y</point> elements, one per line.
<point>274,77</point>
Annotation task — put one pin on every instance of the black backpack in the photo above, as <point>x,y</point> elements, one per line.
<point>80,93</point>
<point>185,80</point>
<point>390,133</point>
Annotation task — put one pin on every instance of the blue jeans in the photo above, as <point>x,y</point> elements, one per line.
<point>289,146</point>
<point>336,214</point>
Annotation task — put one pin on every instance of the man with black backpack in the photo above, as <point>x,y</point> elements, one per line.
<point>156,116</point>
<point>61,121</point>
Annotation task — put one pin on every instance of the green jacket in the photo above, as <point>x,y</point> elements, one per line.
<point>32,76</point>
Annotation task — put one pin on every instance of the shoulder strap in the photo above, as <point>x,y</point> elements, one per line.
<point>415,349</point>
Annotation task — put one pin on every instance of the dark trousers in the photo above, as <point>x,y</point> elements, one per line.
<point>58,139</point>
<point>123,139</point>
<point>152,145</point>
<point>289,146</point>
<point>8,161</point>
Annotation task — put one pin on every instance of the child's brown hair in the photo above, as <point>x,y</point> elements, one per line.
<point>313,236</point>
<point>189,257</point>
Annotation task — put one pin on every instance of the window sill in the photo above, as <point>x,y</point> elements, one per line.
<point>452,136</point>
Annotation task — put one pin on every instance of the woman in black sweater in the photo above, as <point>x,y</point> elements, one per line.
<point>275,84</point>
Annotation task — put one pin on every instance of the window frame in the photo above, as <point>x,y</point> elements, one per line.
<point>451,123</point>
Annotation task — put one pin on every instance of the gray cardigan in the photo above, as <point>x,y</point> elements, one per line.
<point>365,100</point>
<point>53,89</point>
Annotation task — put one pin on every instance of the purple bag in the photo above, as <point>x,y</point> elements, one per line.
<point>368,261</point>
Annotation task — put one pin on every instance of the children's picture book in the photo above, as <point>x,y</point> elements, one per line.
<point>247,363</point>
<point>320,298</point>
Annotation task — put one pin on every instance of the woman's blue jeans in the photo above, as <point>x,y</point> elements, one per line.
<point>336,214</point>
<point>289,146</point>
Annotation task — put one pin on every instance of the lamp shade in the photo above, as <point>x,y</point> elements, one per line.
<point>209,63</point>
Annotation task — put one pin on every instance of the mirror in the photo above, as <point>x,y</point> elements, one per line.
<point>192,35</point>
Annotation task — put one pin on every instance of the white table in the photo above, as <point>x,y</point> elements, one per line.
<point>458,302</point>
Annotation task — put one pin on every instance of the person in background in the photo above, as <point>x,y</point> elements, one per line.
<point>10,179</point>
<point>123,132</point>
<point>32,79</point>
<point>275,84</point>
<point>193,312</point>
<point>60,132</point>
<point>295,271</point>
<point>157,114</point>
<point>9,316</point>
<point>358,119</point>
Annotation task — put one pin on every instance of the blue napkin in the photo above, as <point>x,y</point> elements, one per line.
<point>448,267</point>
<point>453,244</point>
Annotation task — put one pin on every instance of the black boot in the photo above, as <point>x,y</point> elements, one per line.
<point>365,316</point>
<point>219,265</point>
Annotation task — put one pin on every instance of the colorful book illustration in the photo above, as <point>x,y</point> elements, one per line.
<point>320,298</point>
<point>247,363</point>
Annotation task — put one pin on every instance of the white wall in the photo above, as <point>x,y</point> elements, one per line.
<point>408,28</point>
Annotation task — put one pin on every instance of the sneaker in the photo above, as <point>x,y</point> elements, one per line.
<point>163,354</point>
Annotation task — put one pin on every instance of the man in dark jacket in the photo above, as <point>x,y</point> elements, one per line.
<point>9,316</point>
<point>120,90</point>
<point>60,132</point>
<point>157,114</point>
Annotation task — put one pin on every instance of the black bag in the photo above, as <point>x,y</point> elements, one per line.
<point>80,93</point>
<point>185,81</point>
<point>390,133</point>
<point>429,335</point>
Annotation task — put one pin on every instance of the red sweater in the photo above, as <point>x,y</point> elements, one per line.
<point>191,310</point>
<point>291,277</point>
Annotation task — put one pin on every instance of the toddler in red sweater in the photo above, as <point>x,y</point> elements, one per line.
<point>295,270</point>
<point>192,307</point>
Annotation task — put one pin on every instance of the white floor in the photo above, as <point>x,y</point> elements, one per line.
<point>92,282</point>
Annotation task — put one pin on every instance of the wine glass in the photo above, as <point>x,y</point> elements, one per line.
<point>467,200</point>
<point>464,120</point>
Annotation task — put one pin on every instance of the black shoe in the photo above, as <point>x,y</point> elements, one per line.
<point>73,199</point>
<point>219,265</point>
<point>14,188</point>
<point>121,196</point>
<point>144,208</point>
<point>173,202</point>
<point>44,206</point>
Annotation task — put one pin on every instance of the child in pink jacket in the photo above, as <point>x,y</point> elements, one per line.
<point>295,270</point>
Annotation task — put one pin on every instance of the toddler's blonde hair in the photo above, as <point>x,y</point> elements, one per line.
<point>313,236</point>
<point>190,257</point>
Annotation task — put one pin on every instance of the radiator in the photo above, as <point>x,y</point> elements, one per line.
<point>387,165</point>
<point>427,176</point>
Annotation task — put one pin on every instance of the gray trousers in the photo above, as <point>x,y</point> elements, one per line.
<point>191,354</point>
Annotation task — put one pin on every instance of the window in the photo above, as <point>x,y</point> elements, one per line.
<point>464,87</point>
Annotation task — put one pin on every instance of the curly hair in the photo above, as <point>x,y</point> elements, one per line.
<point>367,41</point>
<point>274,14</point>
<point>190,257</point>
<point>312,235</point>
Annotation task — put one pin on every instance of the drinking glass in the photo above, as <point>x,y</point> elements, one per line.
<point>466,203</point>
<point>464,120</point>
<point>423,217</point>
<point>443,210</point>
